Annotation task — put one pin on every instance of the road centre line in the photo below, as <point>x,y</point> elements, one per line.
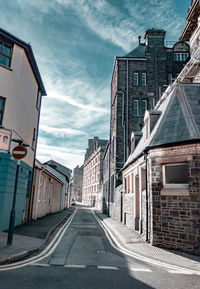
<point>115,244</point>
<point>39,265</point>
<point>75,266</point>
<point>108,267</point>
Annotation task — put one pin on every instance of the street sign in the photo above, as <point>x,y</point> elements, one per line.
<point>5,138</point>
<point>19,152</point>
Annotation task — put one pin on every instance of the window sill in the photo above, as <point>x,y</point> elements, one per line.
<point>4,66</point>
<point>174,192</point>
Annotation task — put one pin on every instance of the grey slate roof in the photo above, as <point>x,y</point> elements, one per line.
<point>179,120</point>
<point>139,51</point>
<point>60,168</point>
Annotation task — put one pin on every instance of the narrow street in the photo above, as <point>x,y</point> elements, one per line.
<point>84,259</point>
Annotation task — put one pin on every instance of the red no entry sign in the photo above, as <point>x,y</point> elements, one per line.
<point>19,152</point>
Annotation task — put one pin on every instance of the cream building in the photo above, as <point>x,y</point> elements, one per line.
<point>21,89</point>
<point>93,173</point>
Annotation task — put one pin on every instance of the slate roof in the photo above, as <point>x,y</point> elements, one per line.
<point>179,120</point>
<point>60,168</point>
<point>138,52</point>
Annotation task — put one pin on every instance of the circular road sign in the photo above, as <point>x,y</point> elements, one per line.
<point>19,152</point>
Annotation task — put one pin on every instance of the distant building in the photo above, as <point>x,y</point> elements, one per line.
<point>48,190</point>
<point>21,90</point>
<point>139,79</point>
<point>61,171</point>
<point>93,172</point>
<point>77,183</point>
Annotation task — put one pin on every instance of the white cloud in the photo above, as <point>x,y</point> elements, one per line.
<point>68,157</point>
<point>61,132</point>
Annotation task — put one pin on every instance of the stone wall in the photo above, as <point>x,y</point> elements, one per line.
<point>176,218</point>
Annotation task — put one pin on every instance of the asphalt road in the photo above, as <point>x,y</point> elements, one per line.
<point>84,259</point>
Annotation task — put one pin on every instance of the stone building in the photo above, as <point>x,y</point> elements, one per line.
<point>77,183</point>
<point>139,79</point>
<point>161,188</point>
<point>21,91</point>
<point>93,172</point>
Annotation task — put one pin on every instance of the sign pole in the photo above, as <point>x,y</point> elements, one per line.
<point>12,214</point>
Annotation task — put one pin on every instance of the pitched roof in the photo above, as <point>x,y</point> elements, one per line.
<point>138,52</point>
<point>30,56</point>
<point>179,120</point>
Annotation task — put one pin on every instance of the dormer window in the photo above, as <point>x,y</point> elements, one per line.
<point>5,54</point>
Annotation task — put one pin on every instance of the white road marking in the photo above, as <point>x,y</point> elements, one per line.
<point>107,267</point>
<point>75,266</point>
<point>116,244</point>
<point>39,265</point>
<point>140,269</point>
<point>46,252</point>
<point>179,272</point>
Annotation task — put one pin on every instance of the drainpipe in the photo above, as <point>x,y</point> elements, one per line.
<point>147,198</point>
<point>123,125</point>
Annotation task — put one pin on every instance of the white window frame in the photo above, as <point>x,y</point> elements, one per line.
<point>144,101</point>
<point>136,106</point>
<point>135,79</point>
<point>144,79</point>
<point>173,186</point>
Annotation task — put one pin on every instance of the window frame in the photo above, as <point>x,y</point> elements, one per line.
<point>135,80</point>
<point>144,79</point>
<point>3,107</point>
<point>136,107</point>
<point>173,186</point>
<point>4,43</point>
<point>146,106</point>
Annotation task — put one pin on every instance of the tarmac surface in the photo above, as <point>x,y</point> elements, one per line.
<point>34,236</point>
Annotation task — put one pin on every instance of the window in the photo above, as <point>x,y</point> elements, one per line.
<point>144,79</point>
<point>132,182</point>
<point>144,106</point>
<point>135,108</point>
<point>169,78</point>
<point>34,138</point>
<point>135,79</point>
<point>2,104</point>
<point>5,54</point>
<point>175,175</point>
<point>180,56</point>
<point>128,184</point>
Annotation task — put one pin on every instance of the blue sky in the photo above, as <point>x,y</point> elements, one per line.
<point>75,43</point>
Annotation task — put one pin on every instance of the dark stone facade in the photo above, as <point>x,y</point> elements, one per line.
<point>152,63</point>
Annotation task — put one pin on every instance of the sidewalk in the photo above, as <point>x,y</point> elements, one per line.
<point>131,241</point>
<point>30,237</point>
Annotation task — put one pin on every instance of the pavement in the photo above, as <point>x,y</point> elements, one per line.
<point>31,237</point>
<point>131,240</point>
